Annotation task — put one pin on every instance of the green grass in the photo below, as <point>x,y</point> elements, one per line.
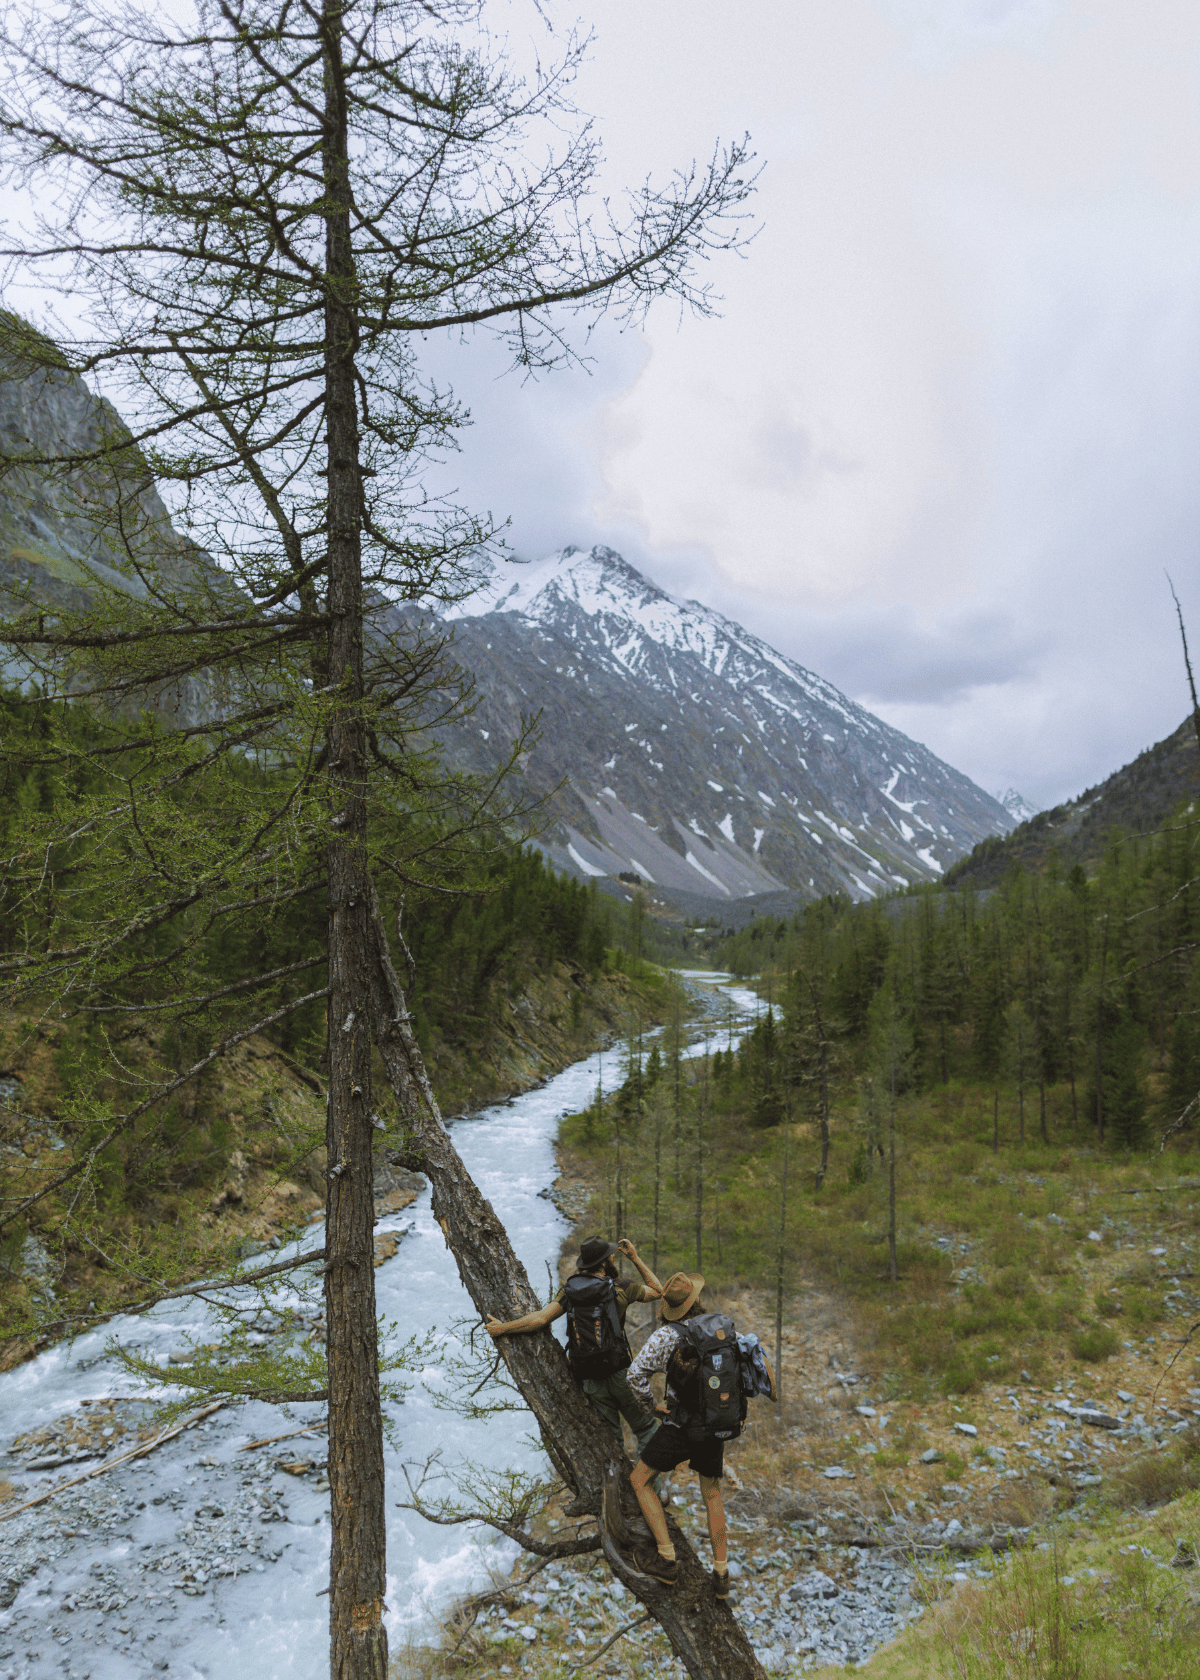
<point>999,1271</point>
<point>1087,1603</point>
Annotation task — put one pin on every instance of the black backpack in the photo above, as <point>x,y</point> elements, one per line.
<point>704,1374</point>
<point>596,1345</point>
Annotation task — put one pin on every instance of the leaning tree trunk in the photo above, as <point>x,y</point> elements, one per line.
<point>357,1638</point>
<point>703,1633</point>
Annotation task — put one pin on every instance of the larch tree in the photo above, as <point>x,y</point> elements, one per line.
<point>253,216</point>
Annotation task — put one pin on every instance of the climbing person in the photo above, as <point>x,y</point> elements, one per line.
<point>711,1372</point>
<point>595,1299</point>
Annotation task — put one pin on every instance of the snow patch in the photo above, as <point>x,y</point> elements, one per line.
<point>726,827</point>
<point>588,868</point>
<point>758,834</point>
<point>708,874</point>
<point>925,853</point>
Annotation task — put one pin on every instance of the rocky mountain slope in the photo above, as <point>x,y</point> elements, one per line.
<point>695,755</point>
<point>1137,799</point>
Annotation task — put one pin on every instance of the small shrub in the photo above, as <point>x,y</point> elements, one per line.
<point>1142,1307</point>
<point>1095,1342</point>
<point>1011,1283</point>
<point>1156,1477</point>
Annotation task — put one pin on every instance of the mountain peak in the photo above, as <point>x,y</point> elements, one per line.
<point>698,756</point>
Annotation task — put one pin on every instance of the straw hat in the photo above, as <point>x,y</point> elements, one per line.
<point>680,1294</point>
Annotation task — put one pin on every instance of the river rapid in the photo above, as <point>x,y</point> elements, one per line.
<point>203,1559</point>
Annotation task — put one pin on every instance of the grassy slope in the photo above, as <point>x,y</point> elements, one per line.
<point>1093,1601</point>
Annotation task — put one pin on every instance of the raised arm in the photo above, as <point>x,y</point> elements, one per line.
<point>653,1287</point>
<point>532,1321</point>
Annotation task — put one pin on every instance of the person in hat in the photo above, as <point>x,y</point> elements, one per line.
<point>610,1394</point>
<point>672,1444</point>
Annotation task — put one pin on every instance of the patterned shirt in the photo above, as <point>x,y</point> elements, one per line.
<point>655,1356</point>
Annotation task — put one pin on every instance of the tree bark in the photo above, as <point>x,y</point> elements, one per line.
<point>703,1633</point>
<point>358,1640</point>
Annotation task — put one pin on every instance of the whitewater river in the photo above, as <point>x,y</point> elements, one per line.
<point>205,1560</point>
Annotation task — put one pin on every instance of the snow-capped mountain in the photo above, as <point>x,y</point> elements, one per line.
<point>1017,806</point>
<point>694,754</point>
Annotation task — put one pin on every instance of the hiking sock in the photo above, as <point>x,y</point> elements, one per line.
<point>721,1568</point>
<point>667,1551</point>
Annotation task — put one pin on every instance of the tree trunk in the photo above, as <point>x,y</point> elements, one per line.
<point>996,1120</point>
<point>701,1106</point>
<point>657,1178</point>
<point>678,1071</point>
<point>824,1049</point>
<point>358,1641</point>
<point>703,1633</point>
<point>892,1267</point>
<point>1100,1038</point>
<point>787,1143</point>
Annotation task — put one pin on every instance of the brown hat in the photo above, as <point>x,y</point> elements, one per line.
<point>594,1252</point>
<point>680,1294</point>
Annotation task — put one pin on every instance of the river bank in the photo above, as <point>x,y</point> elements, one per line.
<point>211,1550</point>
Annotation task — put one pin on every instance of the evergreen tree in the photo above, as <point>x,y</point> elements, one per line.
<point>258,215</point>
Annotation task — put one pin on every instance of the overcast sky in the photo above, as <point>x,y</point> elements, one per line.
<point>944,439</point>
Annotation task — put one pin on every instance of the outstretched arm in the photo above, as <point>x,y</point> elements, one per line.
<point>653,1287</point>
<point>519,1326</point>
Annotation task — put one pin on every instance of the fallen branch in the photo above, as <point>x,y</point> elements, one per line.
<point>269,1440</point>
<point>112,1463</point>
<point>1154,1400</point>
<point>620,1634</point>
<point>1177,1125</point>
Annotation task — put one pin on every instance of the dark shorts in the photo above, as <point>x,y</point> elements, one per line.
<point>670,1445</point>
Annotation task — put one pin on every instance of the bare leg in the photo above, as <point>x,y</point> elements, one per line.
<point>714,1509</point>
<point>652,1508</point>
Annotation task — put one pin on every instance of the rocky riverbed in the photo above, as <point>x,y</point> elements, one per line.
<point>805,1597</point>
<point>149,1566</point>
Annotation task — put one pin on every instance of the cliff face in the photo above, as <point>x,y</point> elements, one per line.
<point>81,519</point>
<point>695,755</point>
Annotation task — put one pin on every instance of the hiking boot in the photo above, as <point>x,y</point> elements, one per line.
<point>720,1586</point>
<point>658,1568</point>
